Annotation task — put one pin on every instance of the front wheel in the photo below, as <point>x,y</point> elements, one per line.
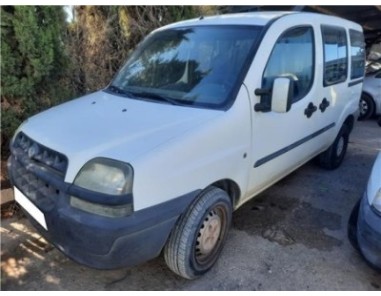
<point>197,240</point>
<point>334,155</point>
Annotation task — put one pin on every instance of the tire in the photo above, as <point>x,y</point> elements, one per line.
<point>366,107</point>
<point>352,226</point>
<point>333,157</point>
<point>197,240</point>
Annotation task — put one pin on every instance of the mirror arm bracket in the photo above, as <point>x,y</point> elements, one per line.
<point>262,91</point>
<point>262,106</point>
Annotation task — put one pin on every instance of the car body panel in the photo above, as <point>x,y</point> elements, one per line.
<point>364,226</point>
<point>372,87</point>
<point>101,124</point>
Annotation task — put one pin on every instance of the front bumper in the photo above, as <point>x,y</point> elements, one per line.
<point>92,240</point>
<point>369,233</point>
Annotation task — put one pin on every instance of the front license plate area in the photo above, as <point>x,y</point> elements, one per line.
<point>28,206</point>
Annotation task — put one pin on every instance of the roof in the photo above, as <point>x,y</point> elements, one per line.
<point>369,17</point>
<point>259,18</point>
<point>250,18</point>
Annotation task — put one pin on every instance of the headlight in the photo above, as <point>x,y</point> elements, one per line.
<point>377,201</point>
<point>107,176</point>
<point>105,181</point>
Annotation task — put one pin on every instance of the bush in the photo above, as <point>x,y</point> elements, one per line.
<point>102,37</point>
<point>33,65</point>
<point>45,60</point>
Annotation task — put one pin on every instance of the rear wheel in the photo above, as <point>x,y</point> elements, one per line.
<point>366,107</point>
<point>334,155</point>
<point>197,240</point>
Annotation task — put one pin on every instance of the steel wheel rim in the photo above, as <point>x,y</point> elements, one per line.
<point>340,146</point>
<point>363,107</point>
<point>210,235</point>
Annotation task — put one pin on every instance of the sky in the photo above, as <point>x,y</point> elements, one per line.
<point>69,11</point>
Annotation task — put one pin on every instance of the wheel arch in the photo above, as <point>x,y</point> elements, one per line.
<point>368,94</point>
<point>231,188</point>
<point>349,121</point>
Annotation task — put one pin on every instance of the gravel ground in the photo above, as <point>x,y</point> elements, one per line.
<point>291,237</point>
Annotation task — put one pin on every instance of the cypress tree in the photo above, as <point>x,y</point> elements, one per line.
<point>33,63</point>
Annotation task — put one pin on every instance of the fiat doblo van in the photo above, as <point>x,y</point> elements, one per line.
<point>205,115</point>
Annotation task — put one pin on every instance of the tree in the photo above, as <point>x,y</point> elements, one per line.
<point>33,63</point>
<point>102,37</point>
<point>45,61</point>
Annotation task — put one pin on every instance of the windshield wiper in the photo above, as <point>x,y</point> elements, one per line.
<point>150,95</point>
<point>117,90</point>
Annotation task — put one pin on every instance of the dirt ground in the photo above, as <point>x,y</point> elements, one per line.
<point>4,175</point>
<point>292,237</point>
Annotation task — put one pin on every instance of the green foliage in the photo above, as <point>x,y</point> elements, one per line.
<point>33,63</point>
<point>102,37</point>
<point>45,60</point>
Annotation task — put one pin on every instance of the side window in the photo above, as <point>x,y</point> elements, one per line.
<point>357,54</point>
<point>293,57</point>
<point>335,55</point>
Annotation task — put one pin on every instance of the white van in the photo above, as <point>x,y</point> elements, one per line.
<point>205,115</point>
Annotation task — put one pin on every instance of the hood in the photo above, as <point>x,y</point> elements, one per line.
<point>106,125</point>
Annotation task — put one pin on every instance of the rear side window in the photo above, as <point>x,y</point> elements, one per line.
<point>357,54</point>
<point>293,57</point>
<point>335,55</point>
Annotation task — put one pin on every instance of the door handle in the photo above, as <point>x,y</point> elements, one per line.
<point>324,105</point>
<point>311,108</point>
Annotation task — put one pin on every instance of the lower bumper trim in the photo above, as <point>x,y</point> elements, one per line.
<point>369,234</point>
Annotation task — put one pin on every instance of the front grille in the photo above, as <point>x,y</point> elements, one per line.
<point>43,194</point>
<point>35,169</point>
<point>40,154</point>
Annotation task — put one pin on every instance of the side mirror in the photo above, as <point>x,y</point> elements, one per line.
<point>282,94</point>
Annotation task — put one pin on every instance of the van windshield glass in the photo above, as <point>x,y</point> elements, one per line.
<point>196,66</point>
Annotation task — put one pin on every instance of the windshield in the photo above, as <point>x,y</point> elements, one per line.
<point>196,66</point>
